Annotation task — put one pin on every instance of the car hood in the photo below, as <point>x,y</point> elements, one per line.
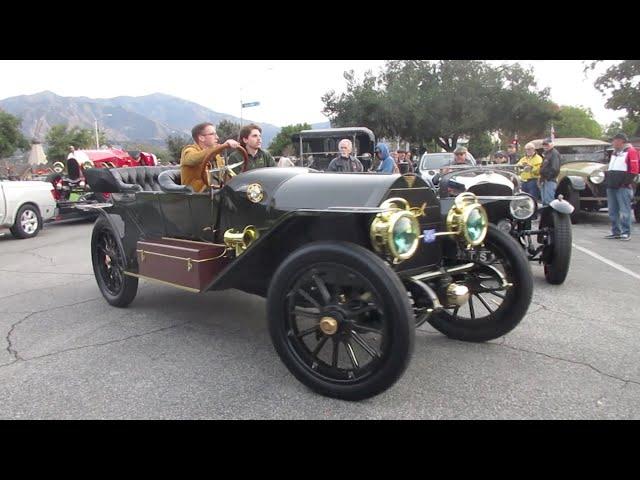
<point>582,168</point>
<point>297,188</point>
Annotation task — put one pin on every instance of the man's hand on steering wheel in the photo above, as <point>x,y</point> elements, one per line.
<point>232,143</point>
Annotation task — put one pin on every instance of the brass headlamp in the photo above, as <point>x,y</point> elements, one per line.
<point>468,219</point>
<point>395,232</point>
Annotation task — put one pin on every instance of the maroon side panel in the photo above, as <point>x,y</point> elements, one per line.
<point>181,262</point>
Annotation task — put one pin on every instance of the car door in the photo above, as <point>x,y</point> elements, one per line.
<point>3,205</point>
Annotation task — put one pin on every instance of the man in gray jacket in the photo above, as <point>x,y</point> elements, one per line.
<point>345,162</point>
<point>549,171</point>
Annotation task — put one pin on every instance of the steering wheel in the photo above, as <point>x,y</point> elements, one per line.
<point>225,170</point>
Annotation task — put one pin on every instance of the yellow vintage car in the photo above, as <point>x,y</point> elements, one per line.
<point>582,171</point>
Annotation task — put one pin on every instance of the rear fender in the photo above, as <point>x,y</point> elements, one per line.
<point>117,225</point>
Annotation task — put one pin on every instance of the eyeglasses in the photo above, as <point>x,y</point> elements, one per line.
<point>207,134</point>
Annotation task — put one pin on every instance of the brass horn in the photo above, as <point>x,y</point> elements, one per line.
<point>240,241</point>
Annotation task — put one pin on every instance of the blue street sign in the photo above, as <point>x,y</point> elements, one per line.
<point>251,104</point>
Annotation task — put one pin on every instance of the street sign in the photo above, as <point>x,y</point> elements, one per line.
<point>251,104</point>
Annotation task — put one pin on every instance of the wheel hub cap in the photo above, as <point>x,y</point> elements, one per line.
<point>328,325</point>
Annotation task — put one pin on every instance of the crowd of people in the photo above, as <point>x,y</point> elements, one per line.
<point>539,174</point>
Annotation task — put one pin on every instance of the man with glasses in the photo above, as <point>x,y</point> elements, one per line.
<point>205,147</point>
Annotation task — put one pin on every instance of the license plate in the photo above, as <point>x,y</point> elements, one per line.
<point>480,256</point>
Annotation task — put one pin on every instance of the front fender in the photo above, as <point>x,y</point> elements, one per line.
<point>575,182</point>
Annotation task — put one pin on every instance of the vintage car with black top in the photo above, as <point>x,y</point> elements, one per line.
<point>497,187</point>
<point>583,169</point>
<point>349,264</point>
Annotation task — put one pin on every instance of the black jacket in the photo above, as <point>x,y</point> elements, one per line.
<point>341,164</point>
<point>550,165</point>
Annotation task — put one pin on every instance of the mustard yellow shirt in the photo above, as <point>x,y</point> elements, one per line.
<point>191,159</point>
<point>535,162</point>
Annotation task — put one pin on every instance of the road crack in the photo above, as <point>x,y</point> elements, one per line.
<point>10,346</point>
<point>574,316</point>
<point>42,288</point>
<point>46,273</point>
<point>99,344</point>
<point>625,381</point>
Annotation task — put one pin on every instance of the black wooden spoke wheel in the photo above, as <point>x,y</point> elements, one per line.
<point>340,320</point>
<point>557,255</point>
<point>493,308</point>
<point>109,266</point>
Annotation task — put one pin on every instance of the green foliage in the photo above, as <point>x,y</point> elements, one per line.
<point>481,145</point>
<point>624,124</point>
<point>11,137</point>
<point>175,144</point>
<point>60,137</point>
<point>620,82</point>
<point>577,122</point>
<point>282,141</point>
<point>227,129</point>
<point>422,101</point>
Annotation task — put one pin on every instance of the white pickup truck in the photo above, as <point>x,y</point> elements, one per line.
<point>24,206</point>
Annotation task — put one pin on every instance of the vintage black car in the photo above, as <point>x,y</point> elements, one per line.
<point>316,148</point>
<point>349,263</point>
<point>497,188</point>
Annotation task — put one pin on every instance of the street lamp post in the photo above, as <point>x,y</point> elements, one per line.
<point>95,120</point>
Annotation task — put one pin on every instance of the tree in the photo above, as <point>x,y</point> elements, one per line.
<point>481,145</point>
<point>421,101</point>
<point>175,144</point>
<point>282,141</point>
<point>60,137</point>
<point>11,138</point>
<point>227,129</point>
<point>577,122</point>
<point>623,124</point>
<point>621,83</point>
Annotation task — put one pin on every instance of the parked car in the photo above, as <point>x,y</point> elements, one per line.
<point>513,211</point>
<point>349,263</point>
<point>582,172</point>
<point>431,163</point>
<point>71,188</point>
<point>25,206</point>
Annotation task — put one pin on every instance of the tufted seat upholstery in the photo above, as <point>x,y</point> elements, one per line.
<point>169,181</point>
<point>136,179</point>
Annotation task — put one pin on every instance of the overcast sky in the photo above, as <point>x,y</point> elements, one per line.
<point>289,90</point>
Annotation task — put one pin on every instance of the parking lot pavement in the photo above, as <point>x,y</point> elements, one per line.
<point>172,354</point>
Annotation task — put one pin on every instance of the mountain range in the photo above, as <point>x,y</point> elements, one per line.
<point>147,119</point>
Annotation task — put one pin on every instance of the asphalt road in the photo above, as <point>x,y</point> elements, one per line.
<point>67,354</point>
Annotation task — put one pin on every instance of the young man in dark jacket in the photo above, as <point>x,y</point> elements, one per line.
<point>623,167</point>
<point>549,171</point>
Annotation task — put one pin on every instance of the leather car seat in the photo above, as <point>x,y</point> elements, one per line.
<point>169,182</point>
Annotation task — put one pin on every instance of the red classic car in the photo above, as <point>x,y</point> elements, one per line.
<point>69,181</point>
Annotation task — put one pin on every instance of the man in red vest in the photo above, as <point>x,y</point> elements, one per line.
<point>623,167</point>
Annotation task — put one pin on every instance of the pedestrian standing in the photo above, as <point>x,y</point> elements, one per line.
<point>530,163</point>
<point>549,172</point>
<point>512,153</point>
<point>623,167</point>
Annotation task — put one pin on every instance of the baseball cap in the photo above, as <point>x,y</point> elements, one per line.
<point>460,150</point>
<point>621,136</point>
